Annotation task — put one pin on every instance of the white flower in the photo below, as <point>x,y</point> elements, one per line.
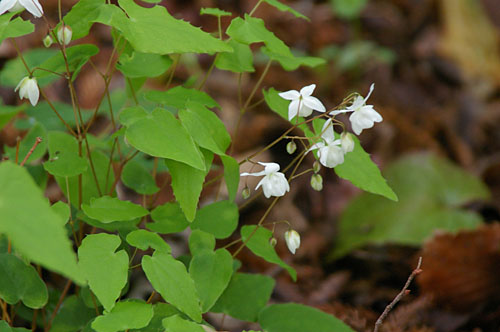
<point>33,6</point>
<point>273,183</point>
<point>292,239</point>
<point>346,142</point>
<point>363,116</point>
<point>302,102</point>
<point>28,88</point>
<point>330,152</point>
<point>64,34</point>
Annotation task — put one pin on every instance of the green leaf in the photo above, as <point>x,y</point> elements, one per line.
<point>231,175</point>
<point>131,114</point>
<point>59,142</point>
<point>179,97</point>
<point>259,244</point>
<point>239,61</point>
<point>211,272</point>
<point>177,324</point>
<point>27,219</point>
<point>105,269</point>
<point>359,169</point>
<point>143,64</point>
<point>292,62</point>
<point>132,314</point>
<point>4,327</point>
<point>143,239</point>
<point>170,278</point>
<point>187,183</point>
<point>86,12</point>
<point>348,9</point>
<point>108,209</point>
<point>253,30</point>
<point>219,219</point>
<point>8,112</point>
<point>62,209</point>
<point>77,56</point>
<point>137,177</point>
<point>214,12</point>
<point>14,69</point>
<point>168,218</point>
<point>161,311</point>
<point>15,28</point>
<point>150,134</point>
<point>245,296</point>
<point>205,127</point>
<point>21,282</point>
<point>147,29</point>
<point>292,317</point>
<point>45,115</point>
<point>284,8</point>
<point>200,241</point>
<point>430,190</point>
<point>66,163</point>
<point>73,315</point>
<point>27,143</point>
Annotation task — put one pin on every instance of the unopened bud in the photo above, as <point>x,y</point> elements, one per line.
<point>292,239</point>
<point>346,142</point>
<point>245,193</point>
<point>273,241</point>
<point>316,166</point>
<point>64,34</point>
<point>291,147</point>
<point>317,182</point>
<point>47,41</point>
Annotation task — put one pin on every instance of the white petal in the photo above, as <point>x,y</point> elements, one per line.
<point>340,111</point>
<point>316,146</point>
<point>33,6</point>
<point>327,132</point>
<point>314,103</point>
<point>289,95</point>
<point>372,114</point>
<point>370,92</point>
<point>5,5</point>
<point>357,103</point>
<point>261,173</point>
<point>293,109</point>
<point>262,181</point>
<point>270,167</point>
<point>21,83</point>
<point>307,90</point>
<point>33,92</point>
<point>304,110</point>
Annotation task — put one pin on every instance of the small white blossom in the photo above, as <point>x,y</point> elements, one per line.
<point>33,6</point>
<point>64,34</point>
<point>273,183</point>
<point>28,88</point>
<point>346,142</point>
<point>302,103</point>
<point>363,116</point>
<point>292,239</point>
<point>330,152</point>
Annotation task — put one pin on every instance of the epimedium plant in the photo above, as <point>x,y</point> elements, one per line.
<point>93,238</point>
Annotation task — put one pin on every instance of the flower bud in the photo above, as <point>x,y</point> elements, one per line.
<point>292,239</point>
<point>291,147</point>
<point>64,34</point>
<point>346,141</point>
<point>273,241</point>
<point>245,193</point>
<point>316,166</point>
<point>317,182</point>
<point>28,88</point>
<point>47,41</point>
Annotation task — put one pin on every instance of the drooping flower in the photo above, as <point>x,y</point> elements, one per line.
<point>302,103</point>
<point>33,6</point>
<point>273,183</point>
<point>363,116</point>
<point>330,152</point>
<point>64,34</point>
<point>28,88</point>
<point>292,239</point>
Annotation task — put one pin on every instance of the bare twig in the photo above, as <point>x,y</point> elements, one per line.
<point>398,297</point>
<point>38,141</point>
